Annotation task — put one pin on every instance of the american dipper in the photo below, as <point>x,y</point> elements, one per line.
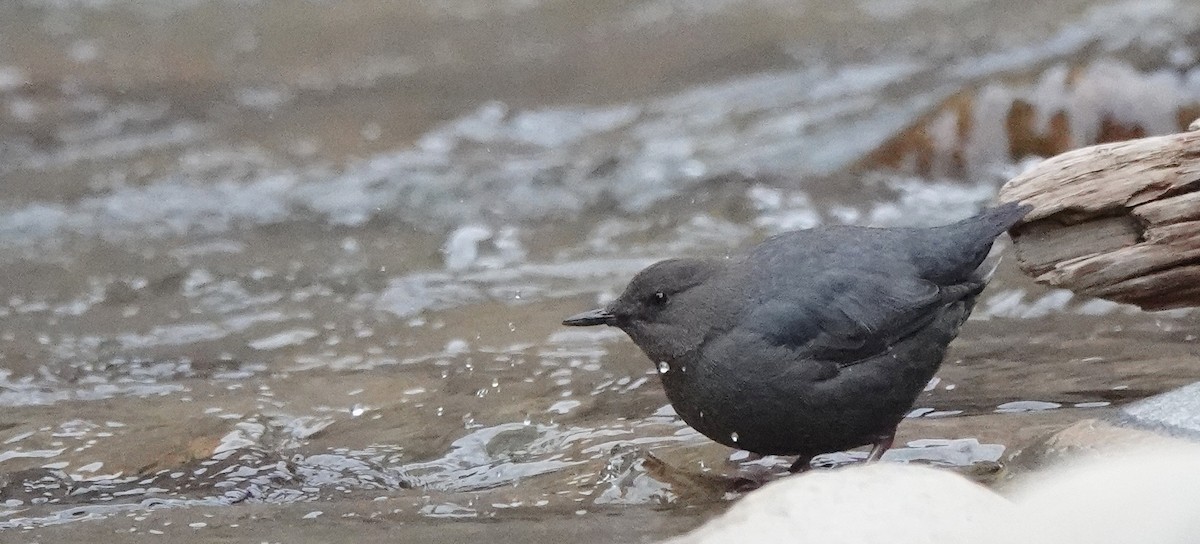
<point>815,341</point>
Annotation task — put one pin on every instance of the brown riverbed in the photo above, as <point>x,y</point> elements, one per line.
<point>293,272</point>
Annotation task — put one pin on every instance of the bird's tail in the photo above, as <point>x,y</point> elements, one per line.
<point>989,223</point>
<point>958,249</point>
<point>999,219</point>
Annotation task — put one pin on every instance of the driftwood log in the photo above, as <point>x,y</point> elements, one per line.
<point>1119,221</point>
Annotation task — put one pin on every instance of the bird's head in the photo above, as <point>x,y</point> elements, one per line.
<point>653,293</point>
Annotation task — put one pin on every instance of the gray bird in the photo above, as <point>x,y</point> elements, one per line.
<point>815,341</point>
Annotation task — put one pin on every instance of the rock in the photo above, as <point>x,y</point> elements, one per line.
<point>1175,413</point>
<point>1133,476</point>
<point>34,484</point>
<point>1087,438</point>
<point>880,502</point>
<point>1134,495</point>
<point>1165,422</point>
<point>1140,495</point>
<point>1119,221</point>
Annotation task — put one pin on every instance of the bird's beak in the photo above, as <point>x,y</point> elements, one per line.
<point>599,316</point>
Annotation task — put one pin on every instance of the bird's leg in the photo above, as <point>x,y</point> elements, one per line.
<point>803,463</point>
<point>881,445</point>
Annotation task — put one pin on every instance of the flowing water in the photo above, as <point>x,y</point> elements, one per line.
<point>277,269</point>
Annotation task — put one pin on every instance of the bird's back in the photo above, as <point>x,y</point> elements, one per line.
<point>944,255</point>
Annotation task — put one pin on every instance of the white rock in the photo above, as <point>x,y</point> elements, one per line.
<point>879,502</point>
<point>1138,495</point>
<point>1142,495</point>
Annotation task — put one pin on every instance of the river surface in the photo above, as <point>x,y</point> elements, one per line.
<point>292,270</point>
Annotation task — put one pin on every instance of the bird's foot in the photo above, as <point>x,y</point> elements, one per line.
<point>802,464</point>
<point>750,474</point>
<point>697,487</point>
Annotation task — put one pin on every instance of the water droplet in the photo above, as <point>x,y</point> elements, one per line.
<point>701,414</point>
<point>495,382</point>
<point>663,367</point>
<point>511,327</point>
<point>440,410</point>
<point>528,421</point>
<point>734,437</point>
<point>357,410</point>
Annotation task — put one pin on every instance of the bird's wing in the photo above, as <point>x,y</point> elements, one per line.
<point>755,357</point>
<point>847,316</point>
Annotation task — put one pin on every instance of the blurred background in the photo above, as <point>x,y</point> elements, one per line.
<point>273,265</point>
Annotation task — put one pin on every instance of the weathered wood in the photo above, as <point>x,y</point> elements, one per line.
<point>1119,221</point>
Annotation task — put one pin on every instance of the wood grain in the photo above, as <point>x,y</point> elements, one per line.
<point>1119,221</point>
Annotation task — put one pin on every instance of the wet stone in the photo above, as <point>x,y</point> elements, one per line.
<point>41,484</point>
<point>120,292</point>
<point>1175,412</point>
<point>511,442</point>
<point>1161,422</point>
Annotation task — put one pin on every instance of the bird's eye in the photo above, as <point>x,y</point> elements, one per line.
<point>659,298</point>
